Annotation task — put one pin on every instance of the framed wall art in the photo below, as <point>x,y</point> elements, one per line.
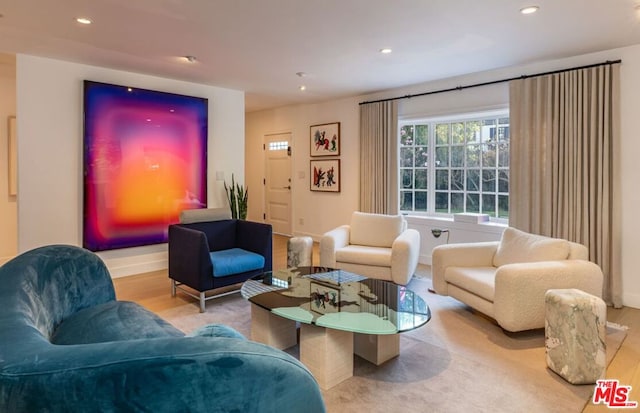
<point>145,160</point>
<point>13,157</point>
<point>325,139</point>
<point>325,175</point>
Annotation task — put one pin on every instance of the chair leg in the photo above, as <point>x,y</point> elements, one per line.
<point>202,301</point>
<point>173,288</point>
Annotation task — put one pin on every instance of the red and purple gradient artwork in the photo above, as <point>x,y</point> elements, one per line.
<point>145,160</point>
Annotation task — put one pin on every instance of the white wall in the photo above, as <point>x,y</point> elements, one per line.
<point>319,211</point>
<point>299,118</point>
<point>8,203</point>
<point>49,112</point>
<point>458,232</point>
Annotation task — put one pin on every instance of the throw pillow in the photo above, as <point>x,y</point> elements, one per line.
<point>517,247</point>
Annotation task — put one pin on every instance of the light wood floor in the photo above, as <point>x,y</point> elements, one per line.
<point>152,290</point>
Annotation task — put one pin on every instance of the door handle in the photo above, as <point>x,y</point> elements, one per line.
<point>287,187</point>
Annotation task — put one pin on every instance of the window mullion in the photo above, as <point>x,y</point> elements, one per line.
<point>431,183</point>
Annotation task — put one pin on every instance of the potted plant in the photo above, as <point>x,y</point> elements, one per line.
<point>238,198</point>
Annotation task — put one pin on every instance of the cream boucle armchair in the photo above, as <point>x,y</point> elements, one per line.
<point>507,280</point>
<point>374,245</point>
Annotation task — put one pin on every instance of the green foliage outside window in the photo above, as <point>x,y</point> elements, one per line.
<point>470,168</point>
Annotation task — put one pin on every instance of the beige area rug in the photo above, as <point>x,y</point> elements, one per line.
<point>458,362</point>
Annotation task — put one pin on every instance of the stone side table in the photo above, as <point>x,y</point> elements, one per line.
<point>299,252</point>
<point>575,328</point>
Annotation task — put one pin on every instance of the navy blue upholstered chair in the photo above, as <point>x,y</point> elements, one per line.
<point>208,255</point>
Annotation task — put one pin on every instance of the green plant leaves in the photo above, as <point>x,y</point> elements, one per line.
<point>238,198</point>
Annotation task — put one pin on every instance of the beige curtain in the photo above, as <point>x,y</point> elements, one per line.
<point>564,176</point>
<point>379,157</point>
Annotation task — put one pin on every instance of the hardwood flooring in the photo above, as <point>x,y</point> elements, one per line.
<point>625,367</point>
<point>152,290</point>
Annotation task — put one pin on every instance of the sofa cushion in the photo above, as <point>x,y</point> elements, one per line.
<point>235,261</point>
<point>520,247</point>
<point>479,281</point>
<point>112,321</point>
<point>358,254</point>
<point>375,230</point>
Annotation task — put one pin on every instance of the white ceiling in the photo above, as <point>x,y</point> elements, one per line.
<point>259,45</point>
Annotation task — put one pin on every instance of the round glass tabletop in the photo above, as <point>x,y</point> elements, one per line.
<point>338,299</point>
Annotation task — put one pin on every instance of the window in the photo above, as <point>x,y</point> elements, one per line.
<point>455,165</point>
<point>278,146</point>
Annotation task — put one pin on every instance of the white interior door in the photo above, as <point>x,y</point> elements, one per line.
<point>278,182</point>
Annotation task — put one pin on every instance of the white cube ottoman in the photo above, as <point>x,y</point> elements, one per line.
<point>299,252</point>
<point>575,332</point>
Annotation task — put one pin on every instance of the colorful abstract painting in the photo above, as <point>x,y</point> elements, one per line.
<point>145,160</point>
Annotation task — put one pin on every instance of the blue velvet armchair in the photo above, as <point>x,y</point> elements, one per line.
<point>66,345</point>
<point>213,254</point>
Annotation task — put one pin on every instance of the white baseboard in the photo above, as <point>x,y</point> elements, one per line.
<point>424,259</point>
<point>315,237</point>
<point>631,300</point>
<point>126,266</point>
<point>140,268</point>
<point>137,260</point>
<point>122,265</point>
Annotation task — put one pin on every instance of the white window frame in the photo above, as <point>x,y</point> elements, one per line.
<point>431,167</point>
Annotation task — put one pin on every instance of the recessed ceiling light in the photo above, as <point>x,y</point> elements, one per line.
<point>190,59</point>
<point>302,88</point>
<point>385,50</point>
<point>84,20</point>
<point>301,74</point>
<point>529,9</point>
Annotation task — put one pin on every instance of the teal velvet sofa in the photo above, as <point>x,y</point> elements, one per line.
<point>67,345</point>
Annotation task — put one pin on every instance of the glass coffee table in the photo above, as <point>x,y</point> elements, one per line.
<point>339,313</point>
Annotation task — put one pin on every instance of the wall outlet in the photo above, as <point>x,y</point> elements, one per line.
<point>301,221</point>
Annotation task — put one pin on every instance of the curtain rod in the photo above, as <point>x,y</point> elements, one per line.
<point>493,82</point>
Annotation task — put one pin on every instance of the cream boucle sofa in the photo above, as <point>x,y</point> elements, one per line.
<point>375,245</point>
<point>507,280</point>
